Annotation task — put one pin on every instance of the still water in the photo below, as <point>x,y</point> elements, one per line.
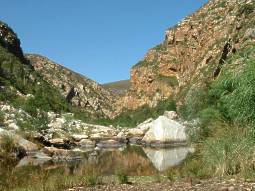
<point>135,160</point>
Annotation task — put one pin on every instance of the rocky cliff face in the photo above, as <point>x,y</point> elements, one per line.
<point>10,41</point>
<point>192,53</point>
<point>77,89</point>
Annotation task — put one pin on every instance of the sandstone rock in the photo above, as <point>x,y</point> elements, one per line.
<point>121,135</point>
<point>96,136</point>
<point>25,145</point>
<point>13,126</point>
<point>87,143</point>
<point>191,47</point>
<point>77,89</point>
<point>135,132</point>
<point>78,137</point>
<point>36,160</point>
<point>146,125</point>
<point>41,156</point>
<point>165,130</point>
<point>57,141</point>
<point>55,151</point>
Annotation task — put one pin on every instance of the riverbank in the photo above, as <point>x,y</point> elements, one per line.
<point>163,184</point>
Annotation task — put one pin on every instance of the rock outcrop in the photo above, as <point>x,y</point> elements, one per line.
<point>164,130</point>
<point>22,146</point>
<point>77,89</point>
<point>192,53</point>
<point>10,41</point>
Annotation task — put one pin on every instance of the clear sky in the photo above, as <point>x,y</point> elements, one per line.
<point>101,39</point>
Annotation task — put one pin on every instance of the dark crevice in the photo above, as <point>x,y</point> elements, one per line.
<point>173,69</point>
<point>70,95</point>
<point>226,50</point>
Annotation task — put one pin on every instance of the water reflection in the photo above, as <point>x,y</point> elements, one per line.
<point>138,160</point>
<point>135,160</point>
<point>163,159</point>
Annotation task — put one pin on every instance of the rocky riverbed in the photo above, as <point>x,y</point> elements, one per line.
<point>150,184</point>
<point>65,138</point>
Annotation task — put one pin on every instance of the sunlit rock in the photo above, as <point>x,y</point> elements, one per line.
<point>171,114</point>
<point>37,159</point>
<point>165,130</point>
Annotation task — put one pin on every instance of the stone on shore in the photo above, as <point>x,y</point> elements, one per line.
<point>165,130</point>
<point>78,137</point>
<point>87,143</point>
<point>109,144</point>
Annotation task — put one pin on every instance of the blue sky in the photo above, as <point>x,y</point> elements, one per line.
<point>101,39</point>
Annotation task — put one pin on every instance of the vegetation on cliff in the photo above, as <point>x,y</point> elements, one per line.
<point>207,78</point>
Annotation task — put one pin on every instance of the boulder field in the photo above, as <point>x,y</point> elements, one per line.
<point>66,138</point>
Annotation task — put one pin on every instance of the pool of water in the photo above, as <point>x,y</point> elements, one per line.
<point>134,160</point>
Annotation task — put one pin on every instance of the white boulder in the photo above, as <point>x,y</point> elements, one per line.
<point>165,130</point>
<point>78,137</point>
<point>171,114</point>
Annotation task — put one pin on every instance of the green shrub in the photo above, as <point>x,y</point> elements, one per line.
<point>92,178</point>
<point>246,9</point>
<point>130,118</point>
<point>26,80</point>
<point>122,176</point>
<point>195,101</point>
<point>209,120</point>
<point>160,47</point>
<point>171,80</point>
<point>231,153</point>
<point>143,63</point>
<point>235,92</point>
<point>192,167</point>
<point>1,118</point>
<point>7,144</point>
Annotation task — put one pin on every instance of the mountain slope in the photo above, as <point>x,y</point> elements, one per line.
<point>118,87</point>
<point>20,84</point>
<point>77,89</point>
<point>192,53</point>
<point>37,84</point>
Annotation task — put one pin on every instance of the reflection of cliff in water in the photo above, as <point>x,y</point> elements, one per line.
<point>163,159</point>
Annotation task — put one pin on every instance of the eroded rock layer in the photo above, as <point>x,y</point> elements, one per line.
<point>192,53</point>
<point>77,89</point>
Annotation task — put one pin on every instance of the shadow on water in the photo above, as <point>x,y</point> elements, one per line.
<point>135,160</point>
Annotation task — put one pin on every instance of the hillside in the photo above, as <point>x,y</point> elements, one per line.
<point>118,87</point>
<point>21,85</point>
<point>195,90</point>
<point>36,84</point>
<point>77,89</point>
<point>192,54</point>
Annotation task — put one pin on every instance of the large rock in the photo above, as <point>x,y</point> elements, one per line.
<point>24,147</point>
<point>10,41</point>
<point>165,130</point>
<point>87,143</point>
<point>78,137</point>
<point>171,114</point>
<point>37,159</point>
